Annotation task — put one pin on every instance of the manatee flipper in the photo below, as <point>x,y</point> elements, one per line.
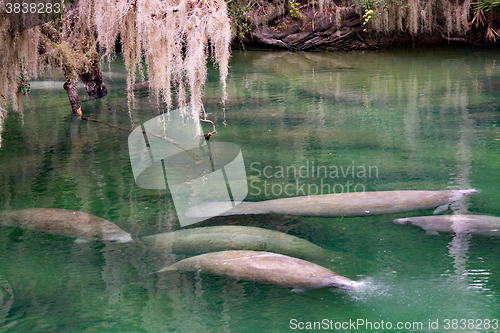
<point>432,233</point>
<point>298,290</point>
<point>81,241</point>
<point>441,209</point>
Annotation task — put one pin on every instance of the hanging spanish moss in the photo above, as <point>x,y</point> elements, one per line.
<point>18,60</point>
<point>423,17</point>
<point>172,38</point>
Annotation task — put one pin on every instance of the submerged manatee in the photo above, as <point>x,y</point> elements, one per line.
<point>265,267</point>
<point>460,224</point>
<point>64,222</point>
<point>334,205</point>
<point>219,238</point>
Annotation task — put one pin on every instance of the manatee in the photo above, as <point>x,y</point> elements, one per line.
<point>335,205</point>
<point>460,224</point>
<point>64,222</point>
<point>264,267</point>
<point>219,238</point>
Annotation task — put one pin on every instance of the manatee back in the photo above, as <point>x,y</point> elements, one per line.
<point>63,222</point>
<point>219,238</point>
<point>336,204</point>
<point>474,224</point>
<point>264,267</point>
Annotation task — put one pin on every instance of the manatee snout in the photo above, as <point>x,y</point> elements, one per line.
<point>470,192</point>
<point>348,284</point>
<point>464,193</point>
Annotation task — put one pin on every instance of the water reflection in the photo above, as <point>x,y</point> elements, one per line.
<point>456,98</point>
<point>458,250</point>
<point>6,300</point>
<point>122,263</point>
<point>174,296</point>
<point>479,278</point>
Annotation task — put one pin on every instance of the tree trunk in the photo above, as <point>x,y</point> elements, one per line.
<point>71,87</point>
<point>94,84</point>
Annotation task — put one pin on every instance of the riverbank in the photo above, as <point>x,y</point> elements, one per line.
<point>421,24</point>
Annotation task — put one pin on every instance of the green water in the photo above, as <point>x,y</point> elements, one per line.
<point>418,120</point>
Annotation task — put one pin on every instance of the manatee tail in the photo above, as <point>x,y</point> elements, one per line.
<point>165,269</point>
<point>168,269</point>
<point>402,221</point>
<point>223,208</point>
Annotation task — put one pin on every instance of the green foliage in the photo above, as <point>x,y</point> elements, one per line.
<point>294,9</point>
<point>24,86</point>
<point>492,6</point>
<point>376,5</point>
<point>237,15</point>
<point>282,25</point>
<point>373,8</point>
<point>57,18</point>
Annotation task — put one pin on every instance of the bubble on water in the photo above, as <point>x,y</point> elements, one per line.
<point>368,288</point>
